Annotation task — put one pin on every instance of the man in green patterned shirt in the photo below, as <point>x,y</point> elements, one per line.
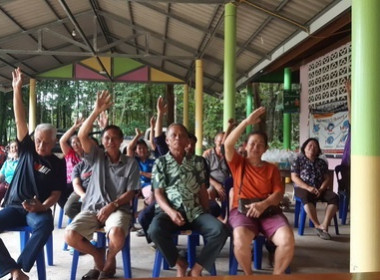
<point>179,183</point>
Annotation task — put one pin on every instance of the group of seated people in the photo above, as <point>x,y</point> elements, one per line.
<point>179,189</point>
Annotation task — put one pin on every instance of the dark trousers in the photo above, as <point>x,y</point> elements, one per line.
<point>213,231</point>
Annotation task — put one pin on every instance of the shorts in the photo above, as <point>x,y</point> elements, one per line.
<point>267,226</point>
<point>86,223</point>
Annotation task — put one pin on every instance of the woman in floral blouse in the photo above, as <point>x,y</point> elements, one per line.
<point>312,183</point>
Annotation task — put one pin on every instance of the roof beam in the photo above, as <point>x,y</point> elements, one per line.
<point>81,33</point>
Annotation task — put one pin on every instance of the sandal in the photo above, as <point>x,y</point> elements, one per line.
<point>323,234</point>
<point>91,274</point>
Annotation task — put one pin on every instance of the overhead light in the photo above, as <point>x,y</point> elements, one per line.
<point>73,33</point>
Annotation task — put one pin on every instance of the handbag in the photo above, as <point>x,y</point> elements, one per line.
<point>242,202</point>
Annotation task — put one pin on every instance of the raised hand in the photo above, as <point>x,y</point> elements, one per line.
<point>78,122</point>
<point>161,106</point>
<point>138,133</point>
<point>254,117</point>
<point>103,101</point>
<point>17,78</point>
<point>103,120</point>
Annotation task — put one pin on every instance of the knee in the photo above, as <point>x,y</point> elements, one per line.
<point>70,236</point>
<point>285,239</point>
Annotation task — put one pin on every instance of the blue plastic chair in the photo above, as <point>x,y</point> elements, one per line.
<point>257,254</point>
<point>300,218</point>
<point>102,243</point>
<point>25,232</point>
<point>192,243</point>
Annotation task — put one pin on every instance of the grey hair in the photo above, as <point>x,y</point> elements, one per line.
<point>47,127</point>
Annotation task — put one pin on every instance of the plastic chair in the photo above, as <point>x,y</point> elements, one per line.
<point>300,218</point>
<point>25,232</point>
<point>102,243</point>
<point>342,173</point>
<point>257,255</point>
<point>192,242</point>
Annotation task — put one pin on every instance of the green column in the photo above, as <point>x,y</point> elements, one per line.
<point>365,148</point>
<point>287,118</point>
<point>229,63</point>
<point>249,107</point>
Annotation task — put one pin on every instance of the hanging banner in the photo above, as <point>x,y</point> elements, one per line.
<point>331,130</point>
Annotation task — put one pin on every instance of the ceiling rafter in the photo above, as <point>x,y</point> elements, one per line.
<point>245,45</point>
<point>166,33</point>
<point>198,27</point>
<point>23,29</point>
<point>130,8</point>
<point>208,36</point>
<point>83,36</point>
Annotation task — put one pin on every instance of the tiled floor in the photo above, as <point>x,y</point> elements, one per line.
<point>312,255</point>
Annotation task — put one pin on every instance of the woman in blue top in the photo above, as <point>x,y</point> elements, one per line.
<point>8,169</point>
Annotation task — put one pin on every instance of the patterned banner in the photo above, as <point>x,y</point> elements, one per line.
<point>331,130</point>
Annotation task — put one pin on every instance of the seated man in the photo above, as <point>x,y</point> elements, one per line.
<point>112,187</point>
<point>179,184</point>
<point>38,181</point>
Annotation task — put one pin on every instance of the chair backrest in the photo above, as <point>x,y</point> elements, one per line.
<point>343,177</point>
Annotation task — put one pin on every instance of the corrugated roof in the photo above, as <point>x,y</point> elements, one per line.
<point>167,35</point>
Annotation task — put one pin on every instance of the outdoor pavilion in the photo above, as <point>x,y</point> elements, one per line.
<point>198,41</point>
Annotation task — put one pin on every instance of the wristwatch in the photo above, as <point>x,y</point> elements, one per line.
<point>115,204</point>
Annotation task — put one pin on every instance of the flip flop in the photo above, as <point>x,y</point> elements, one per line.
<point>91,274</point>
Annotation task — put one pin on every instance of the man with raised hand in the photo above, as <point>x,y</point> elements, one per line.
<point>36,186</point>
<point>114,181</point>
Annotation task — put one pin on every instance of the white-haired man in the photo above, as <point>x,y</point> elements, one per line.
<point>36,186</point>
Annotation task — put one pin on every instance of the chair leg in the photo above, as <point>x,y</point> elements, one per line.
<point>258,244</point>
<point>301,227</point>
<point>297,209</point>
<point>127,257</point>
<point>336,225</point>
<point>60,218</point>
<point>157,264</point>
<point>49,250</point>
<point>74,265</point>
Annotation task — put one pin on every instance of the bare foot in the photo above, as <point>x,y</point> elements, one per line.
<point>181,267</point>
<point>99,259</point>
<point>196,270</point>
<point>17,274</point>
<point>110,266</point>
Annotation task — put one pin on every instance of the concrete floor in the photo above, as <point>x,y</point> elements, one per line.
<point>312,255</point>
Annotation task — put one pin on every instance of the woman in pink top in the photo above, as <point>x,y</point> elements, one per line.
<point>73,153</point>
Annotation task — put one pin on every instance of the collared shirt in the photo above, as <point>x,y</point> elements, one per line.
<point>181,182</point>
<point>311,172</point>
<point>109,180</point>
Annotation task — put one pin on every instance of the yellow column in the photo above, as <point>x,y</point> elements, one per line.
<point>186,106</point>
<point>198,105</point>
<point>32,105</point>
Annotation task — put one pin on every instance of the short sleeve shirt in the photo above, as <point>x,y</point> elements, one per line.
<point>145,166</point>
<point>219,170</point>
<point>258,182</point>
<point>311,172</point>
<point>83,171</point>
<point>181,182</point>
<point>109,180</point>
<point>35,175</point>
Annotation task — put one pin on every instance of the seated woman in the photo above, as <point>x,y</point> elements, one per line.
<point>311,183</point>
<point>8,169</point>
<point>254,178</point>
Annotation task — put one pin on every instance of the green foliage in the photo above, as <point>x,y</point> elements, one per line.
<point>60,102</point>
